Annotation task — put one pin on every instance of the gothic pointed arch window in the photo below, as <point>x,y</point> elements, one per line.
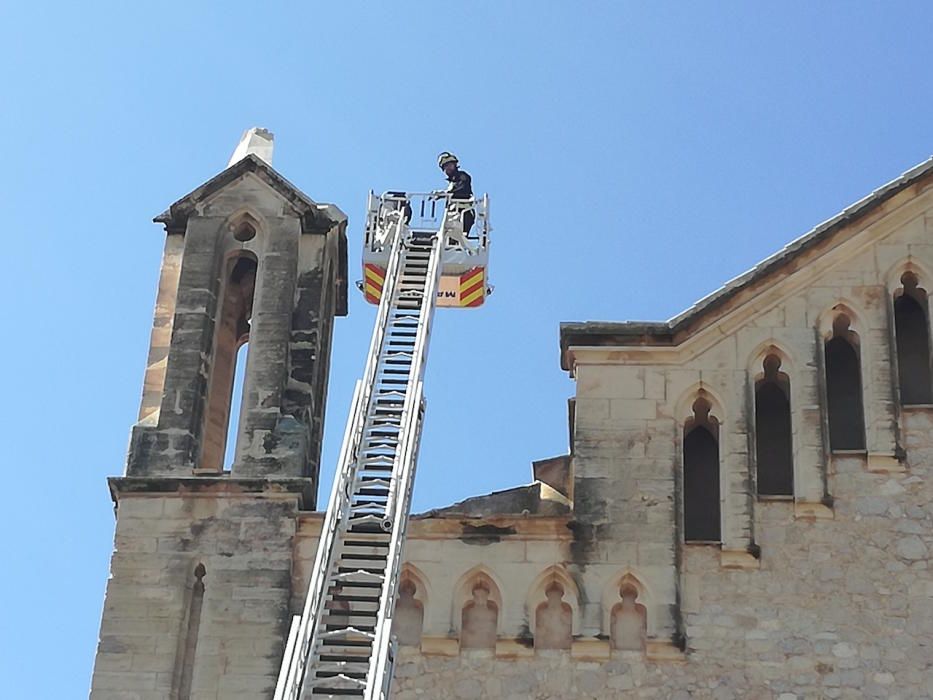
<point>408,621</point>
<point>232,326</point>
<point>701,475</point>
<point>554,619</point>
<point>188,650</point>
<point>480,618</point>
<point>844,387</point>
<point>629,624</point>
<point>912,334</point>
<point>773,434</point>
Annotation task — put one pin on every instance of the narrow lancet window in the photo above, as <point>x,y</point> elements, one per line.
<point>773,437</point>
<point>191,637</point>
<point>553,620</point>
<point>844,388</point>
<point>232,325</point>
<point>236,405</point>
<point>913,342</point>
<point>479,621</point>
<point>629,621</point>
<point>701,476</point>
<point>409,615</point>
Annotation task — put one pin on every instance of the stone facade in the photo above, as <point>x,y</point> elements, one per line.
<point>588,584</point>
<point>200,582</point>
<point>825,592</point>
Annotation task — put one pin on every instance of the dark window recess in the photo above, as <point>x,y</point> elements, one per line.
<point>232,326</point>
<point>189,650</point>
<point>913,344</point>
<point>844,389</point>
<point>701,478</point>
<point>773,448</point>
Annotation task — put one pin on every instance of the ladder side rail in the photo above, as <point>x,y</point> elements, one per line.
<point>287,658</point>
<point>339,505</point>
<point>382,663</point>
<point>485,223</point>
<point>422,342</point>
<point>372,216</point>
<point>322,560</point>
<point>399,502</point>
<point>392,650</point>
<point>349,459</point>
<point>382,315</point>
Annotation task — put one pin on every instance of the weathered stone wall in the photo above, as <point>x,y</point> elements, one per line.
<point>197,604</point>
<point>243,540</point>
<point>826,593</point>
<point>300,255</point>
<point>839,608</point>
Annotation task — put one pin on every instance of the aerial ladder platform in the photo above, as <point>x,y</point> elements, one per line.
<point>416,256</point>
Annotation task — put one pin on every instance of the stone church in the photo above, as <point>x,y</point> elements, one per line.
<point>746,509</point>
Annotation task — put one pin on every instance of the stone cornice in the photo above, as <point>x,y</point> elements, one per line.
<point>699,328</point>
<point>493,528</point>
<point>130,486</point>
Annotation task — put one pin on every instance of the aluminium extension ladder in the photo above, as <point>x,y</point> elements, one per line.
<point>341,645</point>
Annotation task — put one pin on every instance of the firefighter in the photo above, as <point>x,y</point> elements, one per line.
<point>460,187</point>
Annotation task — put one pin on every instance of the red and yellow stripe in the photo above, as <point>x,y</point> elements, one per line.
<point>473,287</point>
<point>374,279</point>
<point>472,291</point>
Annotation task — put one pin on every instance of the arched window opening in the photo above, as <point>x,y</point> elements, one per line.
<point>480,620</point>
<point>232,326</point>
<point>701,476</point>
<point>236,404</point>
<point>912,335</point>
<point>553,620</point>
<point>409,615</point>
<point>629,621</point>
<point>189,649</point>
<point>844,388</point>
<point>245,231</point>
<point>773,437</point>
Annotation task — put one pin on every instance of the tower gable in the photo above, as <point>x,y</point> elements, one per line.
<point>249,260</point>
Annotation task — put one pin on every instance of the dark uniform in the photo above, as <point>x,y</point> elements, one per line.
<point>461,187</point>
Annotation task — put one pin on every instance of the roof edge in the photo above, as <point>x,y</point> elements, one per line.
<point>316,218</point>
<point>661,333</point>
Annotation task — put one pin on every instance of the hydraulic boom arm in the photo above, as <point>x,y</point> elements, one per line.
<point>341,644</point>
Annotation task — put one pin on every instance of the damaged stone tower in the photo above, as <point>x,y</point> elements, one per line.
<point>249,259</point>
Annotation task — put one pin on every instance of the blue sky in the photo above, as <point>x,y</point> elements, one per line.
<point>638,155</point>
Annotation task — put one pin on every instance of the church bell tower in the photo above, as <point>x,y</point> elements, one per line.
<point>248,259</point>
<point>253,272</point>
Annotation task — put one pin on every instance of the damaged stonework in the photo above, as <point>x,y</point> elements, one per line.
<point>534,499</point>
<point>296,250</point>
<point>585,583</point>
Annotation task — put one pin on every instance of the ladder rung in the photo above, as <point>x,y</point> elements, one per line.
<point>328,674</point>
<point>342,679</point>
<point>373,492</point>
<point>350,556</point>
<point>375,481</point>
<point>327,693</point>
<point>343,663</point>
<point>367,543</point>
<point>347,630</point>
<point>346,584</point>
<point>346,575</point>
<point>345,597</point>
<point>368,502</point>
